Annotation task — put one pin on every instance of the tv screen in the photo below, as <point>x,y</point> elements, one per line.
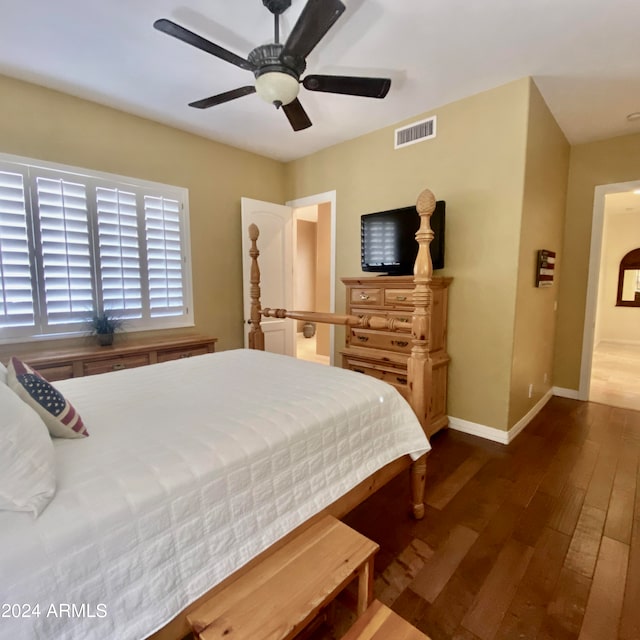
<point>388,240</point>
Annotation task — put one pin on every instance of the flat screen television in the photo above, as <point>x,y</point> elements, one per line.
<point>388,240</point>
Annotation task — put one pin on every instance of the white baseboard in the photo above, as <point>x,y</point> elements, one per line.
<point>480,430</point>
<point>572,394</point>
<point>533,412</point>
<point>624,343</point>
<point>498,435</point>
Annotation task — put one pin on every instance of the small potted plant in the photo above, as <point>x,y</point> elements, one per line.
<point>104,324</point>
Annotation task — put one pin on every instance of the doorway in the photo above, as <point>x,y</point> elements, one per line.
<point>285,271</point>
<point>313,280</point>
<point>611,342</point>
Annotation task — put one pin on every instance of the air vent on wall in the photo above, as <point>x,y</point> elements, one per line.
<point>416,132</point>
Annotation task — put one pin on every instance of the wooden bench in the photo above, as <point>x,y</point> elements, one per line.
<point>278,597</point>
<point>380,623</point>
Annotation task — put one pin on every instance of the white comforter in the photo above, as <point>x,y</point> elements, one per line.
<point>192,467</point>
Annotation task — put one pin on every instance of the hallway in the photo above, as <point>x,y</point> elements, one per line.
<point>306,350</point>
<point>615,375</point>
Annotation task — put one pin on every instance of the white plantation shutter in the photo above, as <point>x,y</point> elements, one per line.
<point>16,286</point>
<point>164,256</point>
<point>74,242</point>
<point>66,272</point>
<point>119,251</point>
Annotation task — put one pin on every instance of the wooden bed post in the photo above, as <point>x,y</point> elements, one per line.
<point>256,335</point>
<point>419,363</point>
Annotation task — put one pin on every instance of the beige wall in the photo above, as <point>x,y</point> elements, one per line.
<point>621,234</point>
<point>597,163</point>
<point>545,190</point>
<point>48,125</point>
<point>476,164</point>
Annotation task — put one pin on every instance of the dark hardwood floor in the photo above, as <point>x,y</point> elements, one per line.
<point>539,539</point>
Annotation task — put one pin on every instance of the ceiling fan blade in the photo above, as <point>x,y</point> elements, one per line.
<point>317,17</point>
<point>205,103</point>
<point>296,115</point>
<point>175,30</point>
<point>349,85</point>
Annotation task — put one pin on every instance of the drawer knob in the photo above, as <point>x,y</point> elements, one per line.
<point>401,379</point>
<point>364,296</point>
<point>118,366</point>
<point>363,338</point>
<point>401,298</point>
<point>400,343</point>
<point>186,355</point>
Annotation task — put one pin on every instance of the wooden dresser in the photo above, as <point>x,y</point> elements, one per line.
<point>86,361</point>
<point>384,354</point>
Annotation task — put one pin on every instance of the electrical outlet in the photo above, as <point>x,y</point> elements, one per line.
<point>531,389</point>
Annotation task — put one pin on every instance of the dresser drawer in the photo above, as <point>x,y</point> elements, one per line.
<point>386,340</point>
<point>395,377</point>
<point>91,367</point>
<point>56,372</point>
<point>178,354</point>
<point>404,316</point>
<point>398,297</point>
<point>91,359</point>
<point>366,295</point>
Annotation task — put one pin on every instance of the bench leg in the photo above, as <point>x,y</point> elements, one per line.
<point>365,587</point>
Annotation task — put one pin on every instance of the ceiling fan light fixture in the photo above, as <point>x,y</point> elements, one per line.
<point>277,88</point>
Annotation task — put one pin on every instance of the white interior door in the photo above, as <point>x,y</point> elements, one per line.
<point>275,244</point>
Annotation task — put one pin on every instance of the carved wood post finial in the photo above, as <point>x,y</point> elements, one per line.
<point>256,335</point>
<point>419,363</point>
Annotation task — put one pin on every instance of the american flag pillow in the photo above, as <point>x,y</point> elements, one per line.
<point>62,420</point>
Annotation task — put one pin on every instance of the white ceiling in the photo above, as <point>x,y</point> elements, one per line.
<point>583,54</point>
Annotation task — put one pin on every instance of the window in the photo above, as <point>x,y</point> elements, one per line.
<point>74,242</point>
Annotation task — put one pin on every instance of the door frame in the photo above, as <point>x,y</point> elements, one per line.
<point>595,257</point>
<point>319,198</point>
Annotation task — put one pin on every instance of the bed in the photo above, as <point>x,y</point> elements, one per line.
<point>190,474</point>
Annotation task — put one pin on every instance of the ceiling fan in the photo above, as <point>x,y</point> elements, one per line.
<point>277,67</point>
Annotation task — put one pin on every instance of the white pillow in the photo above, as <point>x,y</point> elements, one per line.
<point>27,468</point>
<point>3,374</point>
